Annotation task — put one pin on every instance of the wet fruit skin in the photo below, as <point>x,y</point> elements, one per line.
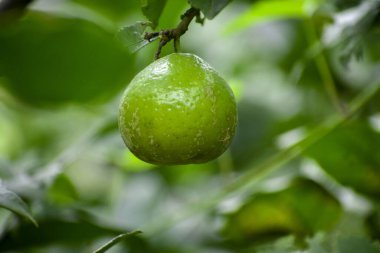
<point>178,110</point>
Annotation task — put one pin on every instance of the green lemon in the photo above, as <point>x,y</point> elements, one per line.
<point>178,110</point>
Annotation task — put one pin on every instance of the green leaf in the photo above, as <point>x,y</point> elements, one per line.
<point>210,8</point>
<point>14,203</point>
<point>62,60</point>
<point>341,242</point>
<point>170,17</point>
<point>282,245</point>
<point>353,146</point>
<point>317,244</point>
<point>349,28</point>
<point>58,228</point>
<point>62,191</point>
<point>152,9</point>
<point>325,243</point>
<point>268,10</point>
<point>284,212</point>
<point>353,244</point>
<point>118,10</point>
<point>115,240</point>
<point>132,36</point>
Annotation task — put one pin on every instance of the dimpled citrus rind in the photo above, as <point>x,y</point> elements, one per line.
<point>178,110</point>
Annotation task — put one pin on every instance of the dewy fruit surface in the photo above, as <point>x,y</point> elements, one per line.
<point>178,110</point>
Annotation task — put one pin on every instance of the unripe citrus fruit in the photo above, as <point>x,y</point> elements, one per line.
<point>178,110</point>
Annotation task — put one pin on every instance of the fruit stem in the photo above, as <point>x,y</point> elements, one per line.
<point>175,33</point>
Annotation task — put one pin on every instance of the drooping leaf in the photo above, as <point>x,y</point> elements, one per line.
<point>210,8</point>
<point>292,210</point>
<point>132,36</point>
<point>74,230</point>
<point>14,203</point>
<point>115,240</point>
<point>152,9</point>
<point>268,10</point>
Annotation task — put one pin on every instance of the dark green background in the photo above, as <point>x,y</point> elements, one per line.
<point>298,73</point>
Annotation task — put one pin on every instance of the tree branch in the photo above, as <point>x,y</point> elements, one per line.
<point>174,34</point>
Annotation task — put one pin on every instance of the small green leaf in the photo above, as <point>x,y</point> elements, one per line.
<point>210,8</point>
<point>115,240</point>
<point>62,191</point>
<point>152,10</point>
<point>266,10</point>
<point>132,36</point>
<point>14,203</point>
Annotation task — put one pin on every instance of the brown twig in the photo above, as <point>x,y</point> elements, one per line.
<point>174,34</point>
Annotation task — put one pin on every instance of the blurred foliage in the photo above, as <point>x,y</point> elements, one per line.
<point>303,172</point>
<point>117,11</point>
<point>288,211</point>
<point>46,59</point>
<point>350,148</point>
